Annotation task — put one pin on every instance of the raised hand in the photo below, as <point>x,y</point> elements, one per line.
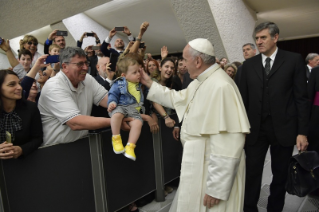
<point>52,35</point>
<point>112,33</point>
<point>88,49</point>
<point>127,31</point>
<point>144,27</point>
<point>164,52</point>
<point>5,46</point>
<point>83,36</point>
<point>40,63</point>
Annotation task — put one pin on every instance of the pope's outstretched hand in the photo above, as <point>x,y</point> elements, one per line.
<point>145,79</point>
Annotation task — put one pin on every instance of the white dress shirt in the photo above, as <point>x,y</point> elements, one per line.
<point>272,58</point>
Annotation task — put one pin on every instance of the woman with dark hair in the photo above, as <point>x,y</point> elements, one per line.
<point>180,72</point>
<point>20,120</point>
<point>164,76</point>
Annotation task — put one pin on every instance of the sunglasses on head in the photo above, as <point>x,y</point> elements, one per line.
<point>30,43</point>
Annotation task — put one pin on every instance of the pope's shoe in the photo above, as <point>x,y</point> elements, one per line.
<point>118,147</point>
<point>129,151</point>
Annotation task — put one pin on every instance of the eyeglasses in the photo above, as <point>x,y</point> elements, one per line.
<point>30,43</point>
<point>80,64</point>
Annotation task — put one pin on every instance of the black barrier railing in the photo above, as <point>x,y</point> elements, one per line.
<point>86,175</point>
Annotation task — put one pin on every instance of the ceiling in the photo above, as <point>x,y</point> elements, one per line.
<point>295,18</point>
<point>164,28</point>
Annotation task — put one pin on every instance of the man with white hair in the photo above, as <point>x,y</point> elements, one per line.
<point>312,61</point>
<point>213,133</point>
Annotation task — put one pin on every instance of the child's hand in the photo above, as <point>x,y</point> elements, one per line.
<point>111,107</point>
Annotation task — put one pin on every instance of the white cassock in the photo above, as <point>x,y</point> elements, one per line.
<point>214,123</point>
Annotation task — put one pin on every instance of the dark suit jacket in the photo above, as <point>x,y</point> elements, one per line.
<point>30,137</point>
<point>238,75</point>
<point>289,103</point>
<point>99,111</point>
<point>93,61</point>
<point>107,52</point>
<point>313,83</point>
<point>102,82</point>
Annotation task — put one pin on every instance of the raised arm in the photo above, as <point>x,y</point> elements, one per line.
<point>164,52</point>
<point>5,46</point>
<point>136,45</point>
<point>80,41</point>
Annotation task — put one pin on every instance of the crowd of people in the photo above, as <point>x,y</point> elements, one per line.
<point>228,113</point>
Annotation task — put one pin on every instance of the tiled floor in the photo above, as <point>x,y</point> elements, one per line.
<point>292,204</point>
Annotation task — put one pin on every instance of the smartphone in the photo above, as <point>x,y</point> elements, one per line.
<point>113,61</point>
<point>96,47</point>
<point>1,40</point>
<point>142,45</point>
<point>8,137</point>
<point>89,34</point>
<point>52,59</point>
<point>121,29</point>
<point>62,33</point>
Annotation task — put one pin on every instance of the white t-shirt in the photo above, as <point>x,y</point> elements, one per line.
<point>60,102</point>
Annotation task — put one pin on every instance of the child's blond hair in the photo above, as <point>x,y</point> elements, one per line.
<point>53,46</point>
<point>123,64</point>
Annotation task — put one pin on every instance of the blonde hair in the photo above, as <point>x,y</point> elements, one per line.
<point>54,46</point>
<point>123,64</point>
<point>233,66</point>
<point>26,39</point>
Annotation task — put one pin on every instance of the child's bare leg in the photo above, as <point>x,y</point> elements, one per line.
<point>136,127</point>
<point>116,121</point>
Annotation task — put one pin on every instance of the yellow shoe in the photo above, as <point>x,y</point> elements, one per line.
<point>129,151</point>
<point>117,144</point>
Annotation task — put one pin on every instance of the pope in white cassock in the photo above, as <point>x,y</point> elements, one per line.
<point>213,133</point>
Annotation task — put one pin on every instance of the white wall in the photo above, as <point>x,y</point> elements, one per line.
<point>4,63</point>
<point>14,43</point>
<point>235,23</point>
<point>80,23</point>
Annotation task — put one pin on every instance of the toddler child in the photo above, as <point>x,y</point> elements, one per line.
<point>125,100</point>
<point>54,50</point>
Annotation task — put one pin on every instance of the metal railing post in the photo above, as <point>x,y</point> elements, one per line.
<point>4,202</point>
<point>98,173</point>
<point>158,160</point>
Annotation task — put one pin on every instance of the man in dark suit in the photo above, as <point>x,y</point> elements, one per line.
<point>104,78</point>
<point>312,61</point>
<point>274,90</point>
<point>249,50</point>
